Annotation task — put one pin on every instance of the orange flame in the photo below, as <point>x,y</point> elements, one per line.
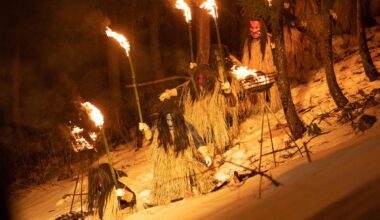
<point>94,113</point>
<point>270,3</point>
<point>180,4</point>
<point>210,5</point>
<point>242,72</point>
<point>80,142</point>
<point>119,38</point>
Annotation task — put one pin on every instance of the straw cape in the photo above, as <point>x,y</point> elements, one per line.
<point>176,176</point>
<point>264,63</point>
<point>208,115</point>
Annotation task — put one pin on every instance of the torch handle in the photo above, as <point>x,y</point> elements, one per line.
<point>109,156</point>
<point>192,59</point>
<point>221,74</point>
<point>135,88</point>
<point>191,42</point>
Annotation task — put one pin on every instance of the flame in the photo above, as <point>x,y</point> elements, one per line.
<point>93,136</point>
<point>270,3</point>
<point>94,113</point>
<point>80,142</point>
<point>242,72</point>
<point>210,5</point>
<point>180,4</point>
<point>119,38</point>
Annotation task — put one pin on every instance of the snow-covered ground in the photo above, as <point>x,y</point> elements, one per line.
<point>343,181</point>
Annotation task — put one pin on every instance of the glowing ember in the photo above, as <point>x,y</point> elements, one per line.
<point>93,136</point>
<point>180,4</point>
<point>119,38</point>
<point>242,72</point>
<point>210,5</point>
<point>94,113</point>
<point>80,142</point>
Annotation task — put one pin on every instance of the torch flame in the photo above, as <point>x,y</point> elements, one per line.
<point>180,4</point>
<point>210,5</point>
<point>94,113</point>
<point>242,72</point>
<point>119,38</point>
<point>270,3</point>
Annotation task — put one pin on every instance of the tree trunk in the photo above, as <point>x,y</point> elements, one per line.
<point>369,68</point>
<point>155,39</point>
<point>325,43</point>
<point>295,124</point>
<point>203,35</point>
<point>16,78</point>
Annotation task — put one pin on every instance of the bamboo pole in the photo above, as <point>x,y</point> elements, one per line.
<point>192,59</point>
<point>157,81</point>
<point>191,42</point>
<point>109,156</point>
<point>221,75</point>
<point>135,88</point>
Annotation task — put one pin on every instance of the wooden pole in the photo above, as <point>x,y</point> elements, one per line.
<point>192,59</point>
<point>271,139</point>
<point>191,42</point>
<point>222,75</point>
<point>261,144</point>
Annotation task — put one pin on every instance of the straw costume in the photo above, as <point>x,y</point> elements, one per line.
<point>231,89</point>
<point>177,168</point>
<point>103,195</point>
<point>207,112</point>
<point>257,54</point>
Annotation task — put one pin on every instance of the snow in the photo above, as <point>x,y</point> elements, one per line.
<point>344,173</point>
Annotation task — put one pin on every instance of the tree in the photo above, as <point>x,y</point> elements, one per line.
<point>16,82</point>
<point>325,43</point>
<point>369,68</point>
<point>154,34</point>
<point>274,15</point>
<point>203,35</point>
<point>295,124</point>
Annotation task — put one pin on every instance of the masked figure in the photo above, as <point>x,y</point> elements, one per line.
<point>179,157</point>
<point>257,55</point>
<point>103,197</point>
<point>207,112</point>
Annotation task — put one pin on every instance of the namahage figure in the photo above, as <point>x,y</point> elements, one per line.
<point>179,157</point>
<point>257,54</point>
<point>207,113</point>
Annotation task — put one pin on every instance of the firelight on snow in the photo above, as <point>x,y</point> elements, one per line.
<point>94,113</point>
<point>180,4</point>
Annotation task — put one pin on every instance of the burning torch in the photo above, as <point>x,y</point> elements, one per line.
<point>97,117</point>
<point>125,44</point>
<point>180,4</point>
<point>211,7</point>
